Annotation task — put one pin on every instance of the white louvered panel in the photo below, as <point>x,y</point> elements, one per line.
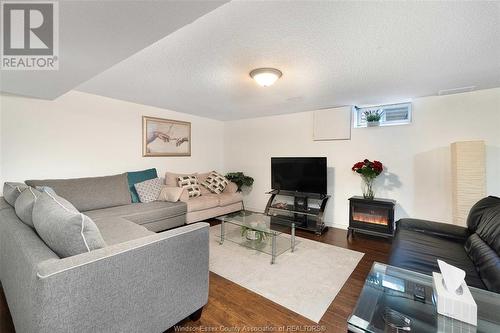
<point>396,114</point>
<point>468,161</point>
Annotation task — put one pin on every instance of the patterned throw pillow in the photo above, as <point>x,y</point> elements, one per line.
<point>149,190</point>
<point>215,182</point>
<point>190,183</point>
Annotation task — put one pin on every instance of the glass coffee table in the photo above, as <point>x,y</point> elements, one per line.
<point>398,300</point>
<point>255,231</point>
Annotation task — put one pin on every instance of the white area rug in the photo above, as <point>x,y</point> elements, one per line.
<point>305,281</point>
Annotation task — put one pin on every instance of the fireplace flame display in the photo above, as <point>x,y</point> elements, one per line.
<point>370,218</point>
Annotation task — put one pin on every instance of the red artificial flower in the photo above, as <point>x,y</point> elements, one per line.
<point>368,168</point>
<point>358,165</point>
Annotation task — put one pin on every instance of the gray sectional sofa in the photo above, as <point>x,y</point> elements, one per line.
<point>106,197</point>
<point>141,281</point>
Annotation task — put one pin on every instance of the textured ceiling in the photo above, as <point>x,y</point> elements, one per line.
<point>94,35</point>
<point>330,53</point>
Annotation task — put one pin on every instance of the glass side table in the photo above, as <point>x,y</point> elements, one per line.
<point>388,303</point>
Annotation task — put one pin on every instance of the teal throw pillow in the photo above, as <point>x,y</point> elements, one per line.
<point>138,177</point>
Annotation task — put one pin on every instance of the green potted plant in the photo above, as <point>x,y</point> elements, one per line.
<point>373,117</point>
<point>253,235</point>
<point>240,179</point>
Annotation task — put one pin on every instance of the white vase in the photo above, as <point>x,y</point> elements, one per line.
<point>372,123</point>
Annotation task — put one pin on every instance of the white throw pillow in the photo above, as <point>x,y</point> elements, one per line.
<point>149,190</point>
<point>215,182</point>
<point>169,193</point>
<point>190,183</point>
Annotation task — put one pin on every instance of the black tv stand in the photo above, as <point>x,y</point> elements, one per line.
<point>300,212</point>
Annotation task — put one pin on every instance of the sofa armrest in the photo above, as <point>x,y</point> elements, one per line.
<point>146,284</point>
<point>231,188</point>
<point>435,228</point>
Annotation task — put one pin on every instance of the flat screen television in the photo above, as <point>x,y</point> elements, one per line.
<point>299,174</point>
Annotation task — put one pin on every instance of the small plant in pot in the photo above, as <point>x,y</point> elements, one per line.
<point>240,179</point>
<point>253,235</point>
<point>373,117</point>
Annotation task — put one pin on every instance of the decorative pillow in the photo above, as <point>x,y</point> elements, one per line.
<point>24,205</point>
<point>201,178</point>
<point>171,194</point>
<point>215,182</point>
<point>171,179</point>
<point>12,190</point>
<point>65,230</point>
<point>149,190</point>
<point>137,177</point>
<point>190,183</point>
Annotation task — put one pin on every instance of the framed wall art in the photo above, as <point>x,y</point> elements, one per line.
<point>165,137</point>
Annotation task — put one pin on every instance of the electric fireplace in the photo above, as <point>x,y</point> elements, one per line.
<point>375,217</point>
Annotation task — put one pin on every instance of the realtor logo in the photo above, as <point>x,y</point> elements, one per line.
<point>30,38</point>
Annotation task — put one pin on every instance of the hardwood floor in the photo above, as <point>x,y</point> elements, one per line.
<point>231,306</point>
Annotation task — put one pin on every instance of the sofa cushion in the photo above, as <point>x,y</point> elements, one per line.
<point>488,228</point>
<point>486,260</point>
<point>142,213</point>
<point>90,193</point>
<point>476,212</point>
<point>215,182</point>
<point>438,229</point>
<point>201,179</point>
<point>231,188</point>
<point>417,251</point>
<point>115,230</point>
<point>65,230</point>
<point>135,177</point>
<point>4,204</point>
<point>149,190</point>
<point>24,205</point>
<point>171,177</point>
<point>202,202</point>
<point>203,176</point>
<point>11,191</point>
<point>172,194</point>
<point>189,183</point>
<point>229,198</point>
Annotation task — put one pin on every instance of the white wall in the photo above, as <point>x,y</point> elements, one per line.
<point>81,134</point>
<point>417,156</point>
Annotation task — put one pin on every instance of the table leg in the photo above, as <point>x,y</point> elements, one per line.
<point>222,232</point>
<point>292,239</point>
<point>273,256</point>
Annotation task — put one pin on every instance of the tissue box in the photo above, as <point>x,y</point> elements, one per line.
<point>461,307</point>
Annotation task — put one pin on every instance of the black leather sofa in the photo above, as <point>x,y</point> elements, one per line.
<point>476,249</point>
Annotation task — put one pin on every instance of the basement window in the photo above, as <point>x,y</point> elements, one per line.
<point>391,114</point>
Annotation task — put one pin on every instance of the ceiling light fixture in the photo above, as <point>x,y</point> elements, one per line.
<point>265,76</point>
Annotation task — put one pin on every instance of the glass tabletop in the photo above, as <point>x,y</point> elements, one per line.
<point>257,231</point>
<point>255,221</point>
<point>388,301</point>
